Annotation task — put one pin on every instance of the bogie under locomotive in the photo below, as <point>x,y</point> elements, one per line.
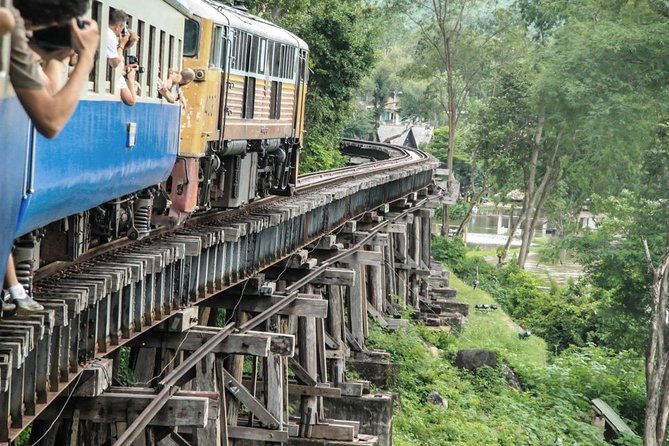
<point>119,171</point>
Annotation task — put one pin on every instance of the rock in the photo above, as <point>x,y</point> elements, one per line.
<point>512,379</point>
<point>437,399</point>
<point>472,359</point>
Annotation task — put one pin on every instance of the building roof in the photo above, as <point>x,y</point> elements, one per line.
<point>612,418</point>
<point>405,134</point>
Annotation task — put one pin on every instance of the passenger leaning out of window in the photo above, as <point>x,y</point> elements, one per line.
<point>126,74</point>
<point>49,110</point>
<point>118,36</point>
<point>171,88</point>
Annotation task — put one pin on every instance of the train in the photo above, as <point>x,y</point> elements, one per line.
<point>120,171</point>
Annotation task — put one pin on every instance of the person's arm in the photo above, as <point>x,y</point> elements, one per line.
<point>168,95</point>
<point>50,112</point>
<point>128,94</point>
<point>123,41</point>
<point>6,21</point>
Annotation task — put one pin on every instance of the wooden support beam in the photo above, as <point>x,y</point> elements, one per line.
<point>185,408</point>
<point>244,396</point>
<point>300,373</point>
<point>331,276</point>
<point>304,305</point>
<point>257,434</point>
<point>250,343</point>
<point>336,432</point>
<point>320,389</point>
<point>95,379</point>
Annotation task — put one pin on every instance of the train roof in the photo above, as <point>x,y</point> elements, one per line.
<point>243,21</point>
<point>181,6</point>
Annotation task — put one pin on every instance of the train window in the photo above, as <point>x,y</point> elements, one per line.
<point>233,50</point>
<point>179,51</point>
<point>252,53</point>
<point>249,97</point>
<point>170,56</point>
<point>96,13</point>
<point>276,64</point>
<point>141,27</point>
<point>150,74</point>
<point>191,38</point>
<point>162,69</point>
<point>282,65</point>
<point>215,55</point>
<point>275,100</point>
<point>262,56</point>
<point>241,51</point>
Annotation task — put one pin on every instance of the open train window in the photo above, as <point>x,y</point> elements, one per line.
<point>162,69</point>
<point>249,97</point>
<point>170,56</point>
<point>150,63</point>
<point>141,27</point>
<point>191,38</point>
<point>275,100</point>
<point>96,13</point>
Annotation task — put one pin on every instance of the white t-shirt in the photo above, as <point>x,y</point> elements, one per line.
<point>112,44</point>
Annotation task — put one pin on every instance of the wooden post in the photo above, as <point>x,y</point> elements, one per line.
<point>356,304</point>
<point>308,358</point>
<point>274,380</point>
<point>335,324</point>
<point>390,274</point>
<point>205,379</point>
<point>235,365</point>
<point>401,256</point>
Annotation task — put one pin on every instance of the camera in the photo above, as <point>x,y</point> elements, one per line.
<point>55,37</point>
<point>132,60</point>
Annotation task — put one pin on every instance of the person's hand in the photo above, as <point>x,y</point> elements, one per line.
<point>131,71</point>
<point>7,21</point>
<point>85,41</point>
<point>123,40</point>
<point>61,55</point>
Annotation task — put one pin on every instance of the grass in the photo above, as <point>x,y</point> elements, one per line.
<point>495,330</point>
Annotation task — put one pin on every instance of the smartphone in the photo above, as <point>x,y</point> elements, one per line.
<point>55,37</point>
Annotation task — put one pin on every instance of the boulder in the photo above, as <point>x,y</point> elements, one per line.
<point>437,399</point>
<point>512,379</point>
<point>472,359</point>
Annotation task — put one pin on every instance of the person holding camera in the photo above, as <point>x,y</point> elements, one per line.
<point>48,109</point>
<point>125,83</point>
<point>117,37</point>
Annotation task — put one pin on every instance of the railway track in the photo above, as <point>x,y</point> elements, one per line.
<point>116,293</point>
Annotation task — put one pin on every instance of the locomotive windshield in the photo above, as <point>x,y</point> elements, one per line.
<point>191,38</point>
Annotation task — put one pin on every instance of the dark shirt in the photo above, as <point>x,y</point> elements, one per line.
<point>24,69</point>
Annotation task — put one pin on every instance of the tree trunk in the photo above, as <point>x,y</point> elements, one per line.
<point>530,190</point>
<point>513,226</point>
<point>452,119</point>
<point>475,200</point>
<point>444,221</point>
<point>657,358</point>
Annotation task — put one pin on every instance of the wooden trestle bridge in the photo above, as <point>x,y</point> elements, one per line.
<point>238,327</point>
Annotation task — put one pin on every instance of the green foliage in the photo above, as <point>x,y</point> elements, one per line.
<point>483,409</point>
<point>125,374</point>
